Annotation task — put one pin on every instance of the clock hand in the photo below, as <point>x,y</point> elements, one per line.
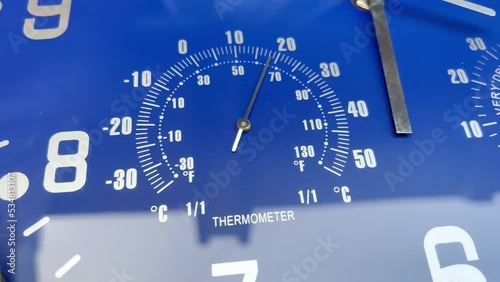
<point>243,124</point>
<point>473,6</point>
<point>389,64</point>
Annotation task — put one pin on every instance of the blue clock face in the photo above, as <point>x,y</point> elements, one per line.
<point>248,141</point>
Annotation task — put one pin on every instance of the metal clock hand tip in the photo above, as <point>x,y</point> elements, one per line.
<point>389,64</point>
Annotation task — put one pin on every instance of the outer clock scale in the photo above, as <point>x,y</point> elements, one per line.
<point>232,140</point>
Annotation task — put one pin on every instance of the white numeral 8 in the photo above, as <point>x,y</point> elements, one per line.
<point>76,160</point>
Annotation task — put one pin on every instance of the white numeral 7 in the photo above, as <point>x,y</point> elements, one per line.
<point>63,10</point>
<point>249,269</point>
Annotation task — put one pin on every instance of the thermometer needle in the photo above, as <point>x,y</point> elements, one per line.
<point>389,64</point>
<point>243,124</point>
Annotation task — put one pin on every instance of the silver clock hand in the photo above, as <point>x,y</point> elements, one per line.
<point>389,64</point>
<point>473,7</point>
<point>243,124</point>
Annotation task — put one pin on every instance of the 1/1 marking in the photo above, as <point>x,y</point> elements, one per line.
<point>196,208</point>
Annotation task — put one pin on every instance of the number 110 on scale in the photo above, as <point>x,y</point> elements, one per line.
<point>308,196</point>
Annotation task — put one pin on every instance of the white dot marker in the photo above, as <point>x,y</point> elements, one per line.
<point>1,6</point>
<point>13,186</point>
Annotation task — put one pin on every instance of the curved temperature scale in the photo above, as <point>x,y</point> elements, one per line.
<point>164,148</point>
<point>486,87</point>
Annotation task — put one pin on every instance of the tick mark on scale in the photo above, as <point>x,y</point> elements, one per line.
<point>35,227</point>
<point>68,266</point>
<point>5,142</point>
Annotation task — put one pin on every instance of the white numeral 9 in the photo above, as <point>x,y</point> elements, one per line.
<point>249,269</point>
<point>62,10</point>
<point>76,160</point>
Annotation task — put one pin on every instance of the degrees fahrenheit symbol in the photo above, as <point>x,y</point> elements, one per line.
<point>244,124</point>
